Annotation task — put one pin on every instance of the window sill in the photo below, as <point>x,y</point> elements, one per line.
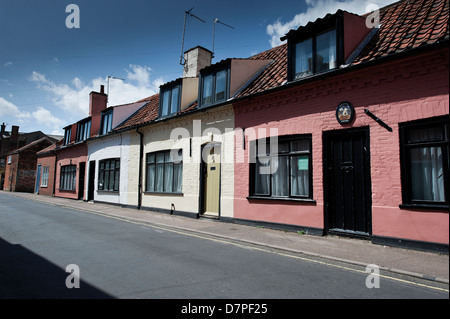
<point>107,191</point>
<point>425,206</point>
<point>285,199</point>
<point>163,193</point>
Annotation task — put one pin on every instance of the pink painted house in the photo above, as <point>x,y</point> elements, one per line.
<point>71,156</point>
<point>361,119</point>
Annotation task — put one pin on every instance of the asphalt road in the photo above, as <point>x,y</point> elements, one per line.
<point>119,259</point>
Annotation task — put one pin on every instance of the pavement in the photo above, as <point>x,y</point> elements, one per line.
<point>423,265</point>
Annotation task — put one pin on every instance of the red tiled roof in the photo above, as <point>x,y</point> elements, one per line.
<point>407,25</point>
<point>274,75</point>
<point>146,114</point>
<point>150,112</point>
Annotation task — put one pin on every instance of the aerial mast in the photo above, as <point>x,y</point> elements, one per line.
<point>216,20</point>
<point>186,14</point>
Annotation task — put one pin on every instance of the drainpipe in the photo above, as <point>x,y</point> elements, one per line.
<point>54,174</point>
<point>141,155</point>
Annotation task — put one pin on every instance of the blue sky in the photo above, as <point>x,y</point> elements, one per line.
<point>48,70</point>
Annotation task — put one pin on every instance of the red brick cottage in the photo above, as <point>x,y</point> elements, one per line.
<point>71,157</point>
<point>45,181</point>
<point>362,124</point>
<point>20,169</point>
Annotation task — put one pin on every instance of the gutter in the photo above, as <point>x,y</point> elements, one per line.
<point>141,155</point>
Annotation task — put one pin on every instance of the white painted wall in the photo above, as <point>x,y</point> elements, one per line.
<point>157,137</point>
<point>115,146</point>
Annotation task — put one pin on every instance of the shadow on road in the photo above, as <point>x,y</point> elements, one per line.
<point>25,275</point>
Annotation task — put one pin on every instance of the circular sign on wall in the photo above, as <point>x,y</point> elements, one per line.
<point>345,113</point>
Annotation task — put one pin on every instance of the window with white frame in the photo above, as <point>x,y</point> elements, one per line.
<point>44,178</point>
<point>68,177</point>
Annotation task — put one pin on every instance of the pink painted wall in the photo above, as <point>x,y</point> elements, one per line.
<point>396,92</point>
<point>355,30</point>
<point>72,155</point>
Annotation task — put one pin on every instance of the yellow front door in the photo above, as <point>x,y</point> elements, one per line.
<point>211,179</point>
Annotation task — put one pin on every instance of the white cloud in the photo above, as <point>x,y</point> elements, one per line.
<point>8,64</point>
<point>7,108</point>
<point>74,97</point>
<point>10,109</point>
<point>140,74</point>
<point>44,116</point>
<point>318,9</point>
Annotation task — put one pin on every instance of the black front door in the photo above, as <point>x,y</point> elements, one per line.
<point>347,182</point>
<point>91,183</point>
<point>81,180</point>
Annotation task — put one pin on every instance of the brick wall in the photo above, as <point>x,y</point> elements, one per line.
<point>47,161</point>
<point>22,170</point>
<point>396,92</point>
<point>10,173</point>
<point>73,155</point>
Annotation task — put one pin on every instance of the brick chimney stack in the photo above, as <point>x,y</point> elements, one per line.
<point>14,133</point>
<point>97,101</point>
<point>196,59</point>
<point>3,130</point>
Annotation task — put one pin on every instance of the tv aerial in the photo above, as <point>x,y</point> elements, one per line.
<point>109,78</point>
<point>186,14</point>
<point>216,20</point>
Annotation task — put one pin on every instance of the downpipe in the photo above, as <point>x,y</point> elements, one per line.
<point>141,155</point>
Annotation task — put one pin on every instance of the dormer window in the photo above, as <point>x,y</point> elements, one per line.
<point>67,135</point>
<point>324,44</point>
<point>315,55</point>
<point>107,118</point>
<point>83,130</point>
<point>170,99</point>
<point>214,87</point>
